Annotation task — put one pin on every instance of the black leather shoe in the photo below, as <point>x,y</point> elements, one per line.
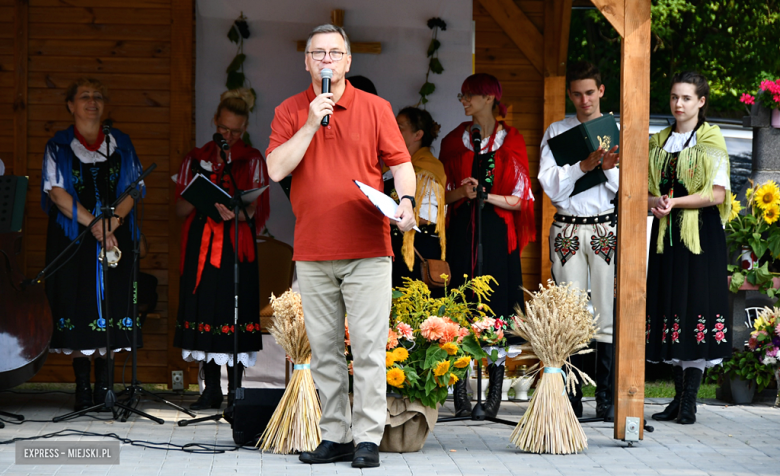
<point>366,456</point>
<point>329,452</point>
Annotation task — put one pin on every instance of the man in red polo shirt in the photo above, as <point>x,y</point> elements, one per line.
<point>342,243</point>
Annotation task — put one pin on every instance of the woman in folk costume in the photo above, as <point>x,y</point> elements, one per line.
<point>419,131</point>
<point>78,179</point>
<point>501,165</point>
<point>688,317</point>
<point>204,329</point>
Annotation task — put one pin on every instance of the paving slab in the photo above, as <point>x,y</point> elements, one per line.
<point>726,440</point>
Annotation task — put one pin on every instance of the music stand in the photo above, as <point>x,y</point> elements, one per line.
<point>135,392</point>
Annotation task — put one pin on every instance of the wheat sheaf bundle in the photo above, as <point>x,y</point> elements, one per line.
<point>557,325</point>
<point>294,426</point>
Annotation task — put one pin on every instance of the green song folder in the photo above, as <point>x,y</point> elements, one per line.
<point>577,143</point>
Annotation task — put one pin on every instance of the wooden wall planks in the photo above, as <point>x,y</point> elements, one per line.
<point>134,51</point>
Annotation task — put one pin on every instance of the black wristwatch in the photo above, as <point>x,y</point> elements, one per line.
<point>411,199</point>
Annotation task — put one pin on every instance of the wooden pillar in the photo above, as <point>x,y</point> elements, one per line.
<point>182,29</point>
<point>632,220</point>
<point>557,20</point>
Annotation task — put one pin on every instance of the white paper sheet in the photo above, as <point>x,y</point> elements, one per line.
<point>384,203</point>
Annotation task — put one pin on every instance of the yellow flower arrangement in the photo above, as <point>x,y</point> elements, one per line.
<point>453,379</point>
<point>441,368</point>
<point>450,347</point>
<point>389,359</point>
<point>754,230</point>
<point>463,362</point>
<point>396,377</point>
<point>400,354</point>
<point>768,196</point>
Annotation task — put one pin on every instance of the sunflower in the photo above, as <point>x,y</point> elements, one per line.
<point>450,347</point>
<point>441,368</point>
<point>462,362</point>
<point>400,354</point>
<point>771,214</point>
<point>736,207</point>
<point>767,196</point>
<point>453,379</point>
<point>389,359</point>
<point>396,377</point>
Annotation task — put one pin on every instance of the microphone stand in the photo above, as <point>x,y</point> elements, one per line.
<point>238,206</point>
<point>107,211</point>
<point>478,412</point>
<point>135,392</point>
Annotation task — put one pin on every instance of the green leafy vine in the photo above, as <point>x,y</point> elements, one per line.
<point>434,65</point>
<point>239,31</point>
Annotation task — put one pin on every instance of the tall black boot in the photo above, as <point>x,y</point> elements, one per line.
<point>212,394</point>
<point>575,398</point>
<point>673,409</point>
<point>232,386</point>
<point>604,381</point>
<point>461,397</point>
<point>81,367</point>
<point>691,381</point>
<point>101,381</point>
<point>493,400</point>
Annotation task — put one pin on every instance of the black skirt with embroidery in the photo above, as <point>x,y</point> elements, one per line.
<point>205,319</point>
<point>72,291</point>
<point>688,314</point>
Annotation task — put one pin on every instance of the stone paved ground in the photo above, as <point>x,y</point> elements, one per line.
<point>726,440</point>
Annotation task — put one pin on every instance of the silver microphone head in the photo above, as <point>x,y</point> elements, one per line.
<point>326,73</point>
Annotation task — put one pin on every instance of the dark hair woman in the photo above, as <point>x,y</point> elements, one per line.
<point>501,165</point>
<point>205,328</point>
<point>76,181</point>
<point>419,131</point>
<point>688,317</point>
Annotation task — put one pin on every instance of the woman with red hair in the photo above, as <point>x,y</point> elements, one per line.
<point>501,167</point>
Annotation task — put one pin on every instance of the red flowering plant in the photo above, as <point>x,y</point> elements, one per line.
<point>768,95</point>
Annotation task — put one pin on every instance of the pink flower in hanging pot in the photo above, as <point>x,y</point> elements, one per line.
<point>747,99</point>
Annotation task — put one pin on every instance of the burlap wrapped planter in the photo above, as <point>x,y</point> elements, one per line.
<point>408,425</point>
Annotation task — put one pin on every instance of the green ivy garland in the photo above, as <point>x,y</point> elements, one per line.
<point>434,65</point>
<point>239,31</point>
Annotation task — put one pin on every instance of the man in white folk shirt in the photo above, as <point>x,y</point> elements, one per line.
<point>582,239</point>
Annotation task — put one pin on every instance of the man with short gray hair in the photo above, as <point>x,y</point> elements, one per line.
<point>342,243</point>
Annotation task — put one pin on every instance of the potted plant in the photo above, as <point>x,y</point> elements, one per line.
<point>765,341</point>
<point>744,373</point>
<point>430,347</point>
<point>754,235</point>
<point>768,96</point>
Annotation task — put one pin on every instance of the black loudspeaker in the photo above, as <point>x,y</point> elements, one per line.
<point>252,410</point>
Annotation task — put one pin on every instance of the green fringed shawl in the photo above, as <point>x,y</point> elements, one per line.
<point>696,169</point>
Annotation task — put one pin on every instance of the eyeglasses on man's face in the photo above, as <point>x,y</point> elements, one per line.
<point>227,131</point>
<point>319,55</point>
<point>465,97</point>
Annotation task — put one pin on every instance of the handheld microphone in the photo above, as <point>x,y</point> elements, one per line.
<point>326,74</point>
<point>221,142</point>
<point>107,125</point>
<point>476,137</point>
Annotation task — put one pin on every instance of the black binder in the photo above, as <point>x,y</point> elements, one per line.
<point>203,193</point>
<point>577,143</point>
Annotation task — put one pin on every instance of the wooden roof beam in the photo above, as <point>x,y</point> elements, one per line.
<point>615,12</point>
<point>519,28</point>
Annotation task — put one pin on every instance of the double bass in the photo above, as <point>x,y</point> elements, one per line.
<point>25,317</point>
